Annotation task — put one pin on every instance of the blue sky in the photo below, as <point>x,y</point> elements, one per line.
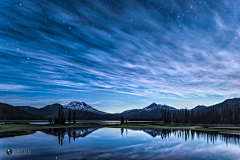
<point>117,55</point>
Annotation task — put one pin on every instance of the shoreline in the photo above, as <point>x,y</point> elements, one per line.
<point>11,130</point>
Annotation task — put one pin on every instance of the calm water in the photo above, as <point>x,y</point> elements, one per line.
<point>109,143</point>
<point>98,122</point>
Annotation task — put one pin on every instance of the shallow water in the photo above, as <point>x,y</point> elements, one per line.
<point>115,143</point>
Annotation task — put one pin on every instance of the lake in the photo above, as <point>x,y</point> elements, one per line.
<point>100,122</point>
<point>96,122</point>
<point>115,143</point>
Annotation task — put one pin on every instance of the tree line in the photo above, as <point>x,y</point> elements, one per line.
<point>60,119</point>
<point>210,116</point>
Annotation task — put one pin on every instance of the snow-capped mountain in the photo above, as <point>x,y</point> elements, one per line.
<point>154,106</point>
<point>153,110</point>
<point>74,105</point>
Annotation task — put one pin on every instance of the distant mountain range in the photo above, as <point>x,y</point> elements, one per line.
<point>153,110</point>
<point>83,112</point>
<point>86,112</point>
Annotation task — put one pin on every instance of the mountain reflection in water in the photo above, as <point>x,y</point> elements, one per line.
<point>71,132</point>
<point>211,136</point>
<point>122,143</point>
<point>186,135</point>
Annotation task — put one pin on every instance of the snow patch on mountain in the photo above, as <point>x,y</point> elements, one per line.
<point>149,108</point>
<point>81,106</point>
<point>154,106</point>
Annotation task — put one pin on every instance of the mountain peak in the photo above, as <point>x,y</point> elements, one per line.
<point>157,106</point>
<point>82,106</point>
<point>75,102</point>
<point>153,104</point>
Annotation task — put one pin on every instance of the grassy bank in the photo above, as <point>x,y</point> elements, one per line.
<point>11,129</point>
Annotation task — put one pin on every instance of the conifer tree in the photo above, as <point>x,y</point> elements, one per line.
<point>74,117</point>
<point>238,118</point>
<point>180,116</point>
<point>69,116</point>
<point>168,117</point>
<point>122,119</point>
<point>59,115</point>
<point>198,117</point>
<point>178,119</point>
<point>186,116</point>
<point>192,119</point>
<point>50,120</point>
<point>63,118</point>
<point>183,117</point>
<point>235,115</point>
<point>55,120</point>
<point>174,117</point>
<point>162,111</point>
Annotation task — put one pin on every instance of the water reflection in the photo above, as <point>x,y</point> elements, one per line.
<point>186,135</point>
<point>107,143</point>
<point>190,135</point>
<point>72,133</point>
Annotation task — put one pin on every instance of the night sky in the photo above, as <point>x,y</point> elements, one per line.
<point>118,55</point>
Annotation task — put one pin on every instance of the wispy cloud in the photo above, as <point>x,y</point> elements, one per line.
<point>12,87</point>
<point>155,49</point>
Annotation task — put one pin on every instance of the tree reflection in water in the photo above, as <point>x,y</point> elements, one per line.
<point>190,135</point>
<point>71,132</point>
<point>186,135</point>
